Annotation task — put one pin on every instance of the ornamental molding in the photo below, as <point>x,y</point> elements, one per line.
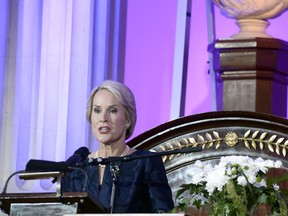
<point>251,140</point>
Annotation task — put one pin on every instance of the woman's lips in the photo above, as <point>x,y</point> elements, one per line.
<point>104,130</point>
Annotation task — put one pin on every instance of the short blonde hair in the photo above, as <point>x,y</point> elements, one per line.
<point>124,95</point>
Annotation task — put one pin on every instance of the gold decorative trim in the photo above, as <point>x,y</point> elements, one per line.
<point>251,140</point>
<point>231,139</point>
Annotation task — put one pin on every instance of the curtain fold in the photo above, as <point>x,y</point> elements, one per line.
<point>53,53</point>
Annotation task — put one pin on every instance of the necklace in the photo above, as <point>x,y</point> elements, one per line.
<point>125,152</point>
<point>122,155</point>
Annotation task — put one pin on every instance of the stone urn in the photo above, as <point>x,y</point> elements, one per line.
<point>252,15</point>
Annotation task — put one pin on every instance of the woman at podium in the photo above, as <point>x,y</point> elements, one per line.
<point>139,185</point>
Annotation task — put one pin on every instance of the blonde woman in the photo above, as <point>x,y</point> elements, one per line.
<point>141,185</point>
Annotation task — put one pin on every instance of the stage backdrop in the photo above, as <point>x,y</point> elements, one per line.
<point>52,53</point>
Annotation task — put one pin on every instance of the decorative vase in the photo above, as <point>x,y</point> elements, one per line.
<point>202,211</point>
<point>262,210</point>
<point>252,15</point>
<point>259,210</point>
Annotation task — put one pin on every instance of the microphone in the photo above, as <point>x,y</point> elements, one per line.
<point>79,155</point>
<point>44,165</point>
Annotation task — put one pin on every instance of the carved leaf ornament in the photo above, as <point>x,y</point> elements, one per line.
<point>252,140</point>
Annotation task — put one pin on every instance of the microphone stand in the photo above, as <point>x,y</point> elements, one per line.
<point>115,171</point>
<point>7,181</point>
<point>115,163</point>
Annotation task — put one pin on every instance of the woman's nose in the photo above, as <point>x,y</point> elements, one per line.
<point>104,117</point>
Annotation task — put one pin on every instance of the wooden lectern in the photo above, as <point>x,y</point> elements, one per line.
<point>48,204</point>
<point>56,204</point>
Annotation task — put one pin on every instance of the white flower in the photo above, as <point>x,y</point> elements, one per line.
<point>278,164</point>
<point>251,177</point>
<point>262,164</point>
<point>241,171</point>
<point>199,172</point>
<point>242,168</point>
<point>276,187</point>
<point>216,179</point>
<point>262,183</point>
<point>241,180</point>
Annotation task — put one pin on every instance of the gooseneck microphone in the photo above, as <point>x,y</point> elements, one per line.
<point>34,165</point>
<point>43,165</point>
<point>79,155</point>
<point>71,163</point>
<point>49,166</point>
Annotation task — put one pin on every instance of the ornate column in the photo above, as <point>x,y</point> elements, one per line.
<point>251,73</point>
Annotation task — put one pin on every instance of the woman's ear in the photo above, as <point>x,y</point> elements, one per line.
<point>127,125</point>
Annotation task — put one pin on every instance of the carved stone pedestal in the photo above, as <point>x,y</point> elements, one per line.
<point>251,74</point>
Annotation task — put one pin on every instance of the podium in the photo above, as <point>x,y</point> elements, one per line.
<point>48,204</point>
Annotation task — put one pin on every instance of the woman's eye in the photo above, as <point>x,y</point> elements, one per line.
<point>113,110</point>
<point>96,110</point>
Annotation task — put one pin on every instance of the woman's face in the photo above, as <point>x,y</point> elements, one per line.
<point>108,119</point>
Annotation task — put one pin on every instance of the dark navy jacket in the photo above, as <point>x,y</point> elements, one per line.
<point>141,186</point>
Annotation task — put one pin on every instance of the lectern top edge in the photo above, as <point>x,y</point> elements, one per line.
<point>85,202</point>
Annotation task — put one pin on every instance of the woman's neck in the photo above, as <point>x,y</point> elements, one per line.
<point>113,150</point>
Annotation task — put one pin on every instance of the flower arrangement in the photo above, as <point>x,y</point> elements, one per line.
<point>234,186</point>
